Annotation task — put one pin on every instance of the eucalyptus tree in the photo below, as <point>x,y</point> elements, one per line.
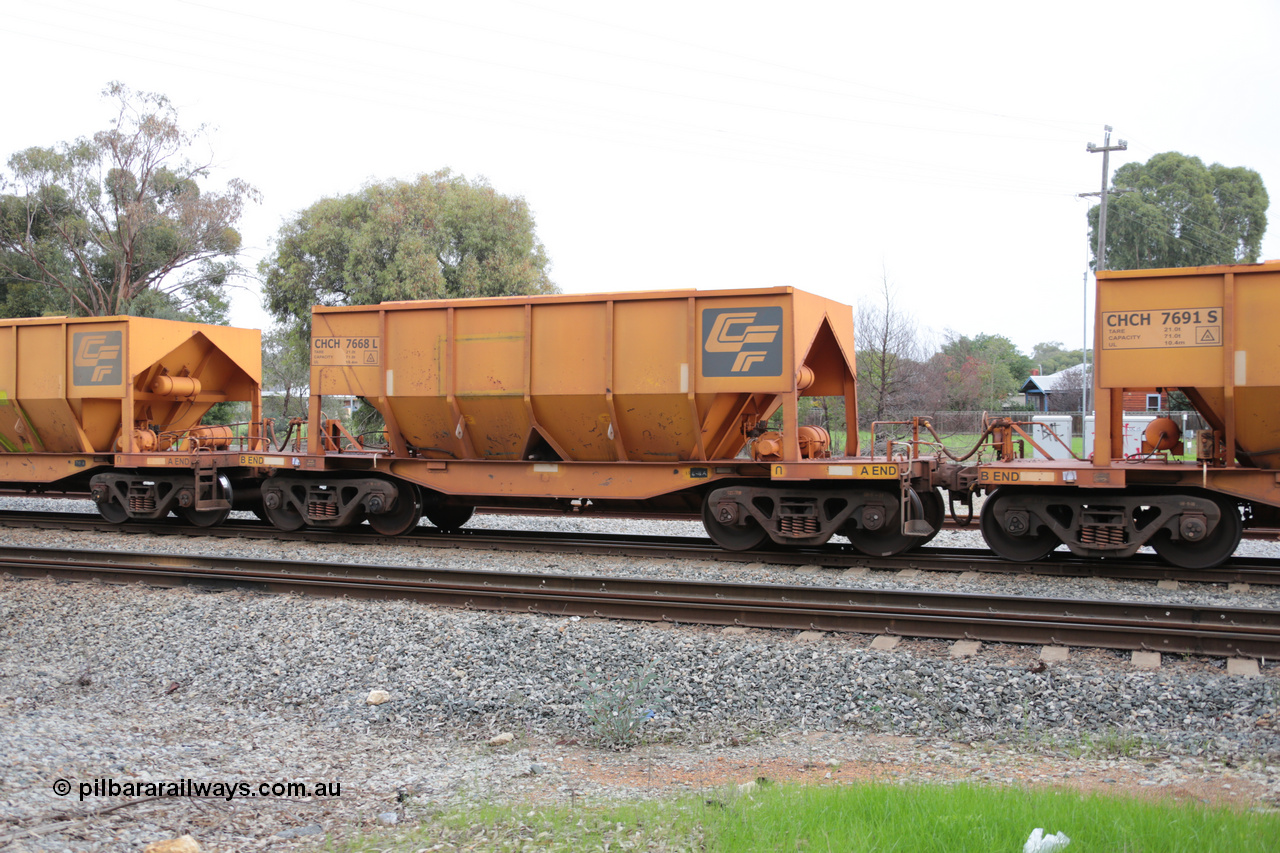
<point>122,221</point>
<point>438,236</point>
<point>1173,211</point>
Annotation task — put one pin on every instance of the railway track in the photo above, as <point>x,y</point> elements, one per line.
<point>1233,632</point>
<point>1250,570</point>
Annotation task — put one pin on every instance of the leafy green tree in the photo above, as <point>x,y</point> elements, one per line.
<point>436,237</point>
<point>1051,357</point>
<point>24,299</point>
<point>1179,213</point>
<point>286,374</point>
<point>118,222</point>
<point>978,373</point>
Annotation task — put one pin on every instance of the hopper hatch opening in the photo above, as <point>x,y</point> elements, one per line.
<point>538,449</point>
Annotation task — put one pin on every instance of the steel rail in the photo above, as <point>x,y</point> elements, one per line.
<point>1251,570</point>
<point>1122,625</point>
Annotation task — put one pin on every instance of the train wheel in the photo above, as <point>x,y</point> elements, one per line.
<point>113,511</point>
<point>449,517</point>
<point>1208,552</point>
<point>935,512</point>
<point>733,537</point>
<point>405,516</point>
<point>205,517</point>
<point>1027,548</point>
<point>284,517</point>
<point>890,540</point>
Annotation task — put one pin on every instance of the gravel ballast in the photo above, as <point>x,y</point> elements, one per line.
<point>152,685</point>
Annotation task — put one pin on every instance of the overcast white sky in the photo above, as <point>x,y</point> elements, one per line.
<point>698,144</point>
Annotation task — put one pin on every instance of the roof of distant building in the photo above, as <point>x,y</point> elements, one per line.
<point>1068,379</point>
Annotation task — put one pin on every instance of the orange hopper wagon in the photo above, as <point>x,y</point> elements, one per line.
<point>651,402</point>
<point>113,406</point>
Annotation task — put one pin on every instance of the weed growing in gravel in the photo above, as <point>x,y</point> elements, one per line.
<point>1110,743</point>
<point>618,708</point>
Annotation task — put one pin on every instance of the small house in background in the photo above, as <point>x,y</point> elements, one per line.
<point>1056,392</point>
<point>1061,392</point>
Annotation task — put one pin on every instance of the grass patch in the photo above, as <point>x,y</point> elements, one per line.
<point>849,819</point>
<point>1111,743</point>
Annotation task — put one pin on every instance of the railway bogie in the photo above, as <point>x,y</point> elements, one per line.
<point>204,499</point>
<point>1191,529</point>
<point>743,516</point>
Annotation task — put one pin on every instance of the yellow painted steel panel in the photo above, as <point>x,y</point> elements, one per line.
<point>498,429</point>
<point>1258,336</point>
<point>331,373</point>
<point>651,347</point>
<point>490,344</point>
<point>417,360</point>
<point>1142,341</point>
<point>656,427</point>
<point>427,423</point>
<point>570,350</point>
<point>1210,331</point>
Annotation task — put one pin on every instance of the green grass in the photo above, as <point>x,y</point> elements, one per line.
<point>848,819</point>
<point>958,443</point>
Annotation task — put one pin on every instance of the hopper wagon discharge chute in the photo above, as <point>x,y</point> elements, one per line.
<point>630,403</point>
<point>112,406</point>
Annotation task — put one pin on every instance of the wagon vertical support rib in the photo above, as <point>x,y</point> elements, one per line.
<point>1101,398</point>
<point>394,437</point>
<point>460,434</point>
<point>127,402</point>
<point>63,389</point>
<point>619,445</point>
<point>535,428</point>
<point>526,378</point>
<point>691,382</point>
<point>1229,367</point>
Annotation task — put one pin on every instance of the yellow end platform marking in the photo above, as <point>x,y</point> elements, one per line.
<point>1006,476</point>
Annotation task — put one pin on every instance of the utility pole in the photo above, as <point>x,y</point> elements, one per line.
<point>1106,150</point>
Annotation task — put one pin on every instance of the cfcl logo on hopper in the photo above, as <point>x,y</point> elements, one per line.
<point>98,358</point>
<point>742,341</point>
